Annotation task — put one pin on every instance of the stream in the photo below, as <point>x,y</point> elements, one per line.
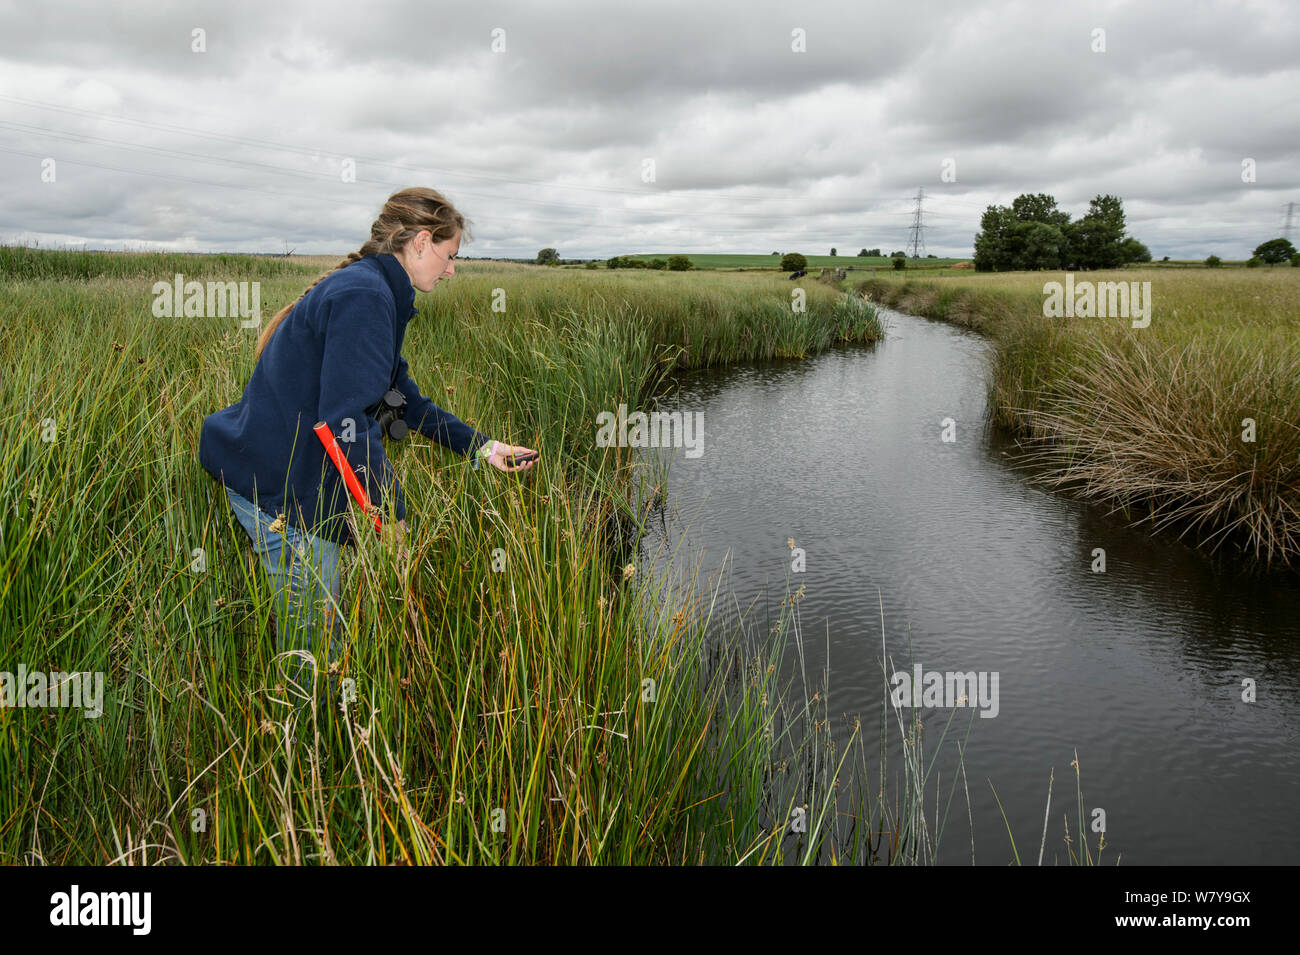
<point>1139,668</point>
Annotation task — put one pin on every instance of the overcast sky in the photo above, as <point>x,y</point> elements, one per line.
<point>756,146</point>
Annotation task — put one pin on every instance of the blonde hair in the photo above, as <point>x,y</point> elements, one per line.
<point>405,214</point>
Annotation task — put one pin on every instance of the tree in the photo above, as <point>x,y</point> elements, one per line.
<point>1038,246</point>
<point>1134,251</point>
<point>613,262</point>
<point>680,263</point>
<point>899,255</point>
<point>1028,234</point>
<point>832,250</point>
<point>900,262</point>
<point>776,253</point>
<point>1096,239</point>
<point>658,264</point>
<point>993,246</point>
<point>873,252</point>
<point>548,257</point>
<point>863,254</point>
<point>1213,262</point>
<point>793,262</point>
<point>1274,251</point>
<point>1032,233</point>
<point>1039,207</point>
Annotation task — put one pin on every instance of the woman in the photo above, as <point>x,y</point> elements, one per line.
<point>332,356</point>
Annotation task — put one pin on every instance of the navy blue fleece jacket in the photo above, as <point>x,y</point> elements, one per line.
<point>334,355</point>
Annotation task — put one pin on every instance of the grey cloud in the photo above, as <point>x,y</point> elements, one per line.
<point>757,147</point>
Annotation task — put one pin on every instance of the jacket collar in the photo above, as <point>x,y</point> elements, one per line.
<point>399,282</point>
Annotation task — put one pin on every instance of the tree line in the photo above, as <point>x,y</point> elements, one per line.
<point>1032,233</point>
<point>674,263</point>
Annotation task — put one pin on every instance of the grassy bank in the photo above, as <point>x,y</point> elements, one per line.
<point>1191,424</point>
<point>550,711</point>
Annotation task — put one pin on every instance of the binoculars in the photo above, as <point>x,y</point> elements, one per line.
<point>390,412</point>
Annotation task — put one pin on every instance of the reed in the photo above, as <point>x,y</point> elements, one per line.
<point>514,692</point>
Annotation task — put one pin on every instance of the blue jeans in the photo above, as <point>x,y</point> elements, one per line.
<point>304,573</point>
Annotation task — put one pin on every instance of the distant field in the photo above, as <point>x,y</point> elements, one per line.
<point>711,261</point>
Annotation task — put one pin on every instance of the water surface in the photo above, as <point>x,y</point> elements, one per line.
<point>1139,668</point>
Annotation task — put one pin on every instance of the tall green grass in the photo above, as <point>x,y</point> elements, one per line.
<point>19,262</point>
<point>534,714</point>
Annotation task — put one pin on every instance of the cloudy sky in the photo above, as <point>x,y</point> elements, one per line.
<point>770,126</point>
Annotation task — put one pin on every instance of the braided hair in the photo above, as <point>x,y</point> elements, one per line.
<point>405,214</point>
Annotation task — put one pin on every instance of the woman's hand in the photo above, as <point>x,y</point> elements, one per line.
<point>505,451</point>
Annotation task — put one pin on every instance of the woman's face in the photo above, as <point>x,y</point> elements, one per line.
<point>428,262</point>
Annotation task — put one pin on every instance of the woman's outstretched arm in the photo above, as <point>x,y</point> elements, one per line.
<point>433,422</point>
